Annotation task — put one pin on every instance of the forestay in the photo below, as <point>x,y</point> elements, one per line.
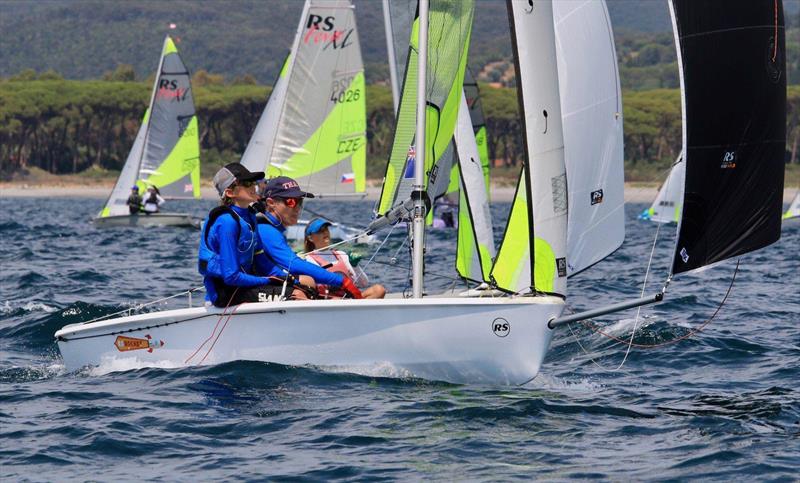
<point>314,126</point>
<point>533,253</point>
<point>734,127</point>
<point>667,206</point>
<point>450,24</point>
<point>166,151</point>
<point>591,109</point>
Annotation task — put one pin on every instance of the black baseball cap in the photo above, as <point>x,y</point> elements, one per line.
<point>283,187</point>
<point>232,173</point>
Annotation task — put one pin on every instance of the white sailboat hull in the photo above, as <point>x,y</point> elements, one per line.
<point>153,219</point>
<point>461,340</point>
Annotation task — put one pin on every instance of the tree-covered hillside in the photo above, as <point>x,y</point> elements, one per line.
<point>83,39</point>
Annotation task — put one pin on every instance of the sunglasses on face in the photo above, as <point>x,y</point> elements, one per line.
<point>292,202</point>
<point>246,184</point>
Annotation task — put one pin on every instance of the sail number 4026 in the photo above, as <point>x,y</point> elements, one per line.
<point>350,95</point>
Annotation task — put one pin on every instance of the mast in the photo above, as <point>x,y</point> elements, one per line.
<point>387,24</point>
<point>418,226</point>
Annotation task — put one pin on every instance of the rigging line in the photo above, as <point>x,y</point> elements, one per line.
<point>143,305</point>
<point>364,268</point>
<point>214,331</point>
<point>691,333</point>
<point>775,48</point>
<point>639,309</point>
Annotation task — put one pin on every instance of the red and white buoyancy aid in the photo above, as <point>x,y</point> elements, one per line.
<point>340,265</point>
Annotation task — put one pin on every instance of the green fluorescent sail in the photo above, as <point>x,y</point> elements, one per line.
<point>314,126</point>
<point>183,161</point>
<point>449,29</point>
<point>171,156</point>
<point>328,139</point>
<point>514,254</point>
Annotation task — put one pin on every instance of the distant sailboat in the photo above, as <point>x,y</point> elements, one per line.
<point>667,206</point>
<point>165,153</point>
<point>794,208</point>
<point>313,127</point>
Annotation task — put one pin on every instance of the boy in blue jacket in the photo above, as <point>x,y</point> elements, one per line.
<point>229,246</point>
<point>284,202</point>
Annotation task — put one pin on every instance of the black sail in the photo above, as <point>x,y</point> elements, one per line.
<point>734,86</point>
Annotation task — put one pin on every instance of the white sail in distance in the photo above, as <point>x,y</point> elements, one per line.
<point>533,254</point>
<point>591,109</point>
<point>666,208</point>
<point>794,208</point>
<point>313,128</point>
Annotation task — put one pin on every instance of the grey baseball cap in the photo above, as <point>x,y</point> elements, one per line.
<point>233,172</point>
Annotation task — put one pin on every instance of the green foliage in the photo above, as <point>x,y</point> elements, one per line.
<point>123,73</point>
<point>64,126</point>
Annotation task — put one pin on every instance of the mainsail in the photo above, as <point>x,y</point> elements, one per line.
<point>533,254</point>
<point>475,249</point>
<point>591,109</point>
<point>313,128</point>
<point>734,127</point>
<point>450,25</point>
<point>667,206</point>
<point>478,122</point>
<point>166,152</point>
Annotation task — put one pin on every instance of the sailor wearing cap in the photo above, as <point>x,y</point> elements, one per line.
<point>317,237</point>
<point>229,246</point>
<point>284,201</point>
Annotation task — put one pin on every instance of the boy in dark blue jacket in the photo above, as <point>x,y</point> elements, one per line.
<point>284,201</point>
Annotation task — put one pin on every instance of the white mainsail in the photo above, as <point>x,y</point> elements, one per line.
<point>533,254</point>
<point>475,248</point>
<point>313,128</point>
<point>591,109</point>
<point>260,146</point>
<point>666,208</point>
<point>117,203</point>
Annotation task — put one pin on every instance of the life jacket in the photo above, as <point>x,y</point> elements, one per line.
<point>208,262</point>
<point>340,266</point>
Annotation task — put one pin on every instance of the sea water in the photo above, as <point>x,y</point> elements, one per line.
<point>722,403</point>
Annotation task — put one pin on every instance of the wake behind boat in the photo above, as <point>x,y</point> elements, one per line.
<point>165,154</point>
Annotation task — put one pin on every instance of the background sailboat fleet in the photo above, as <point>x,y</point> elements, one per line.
<point>567,213</point>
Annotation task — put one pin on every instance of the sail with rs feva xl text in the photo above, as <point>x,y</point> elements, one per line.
<point>166,150</point>
<point>313,128</point>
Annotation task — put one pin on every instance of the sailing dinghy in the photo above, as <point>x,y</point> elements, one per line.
<point>727,211</point>
<point>313,128</point>
<point>794,208</point>
<point>666,208</point>
<point>165,153</point>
